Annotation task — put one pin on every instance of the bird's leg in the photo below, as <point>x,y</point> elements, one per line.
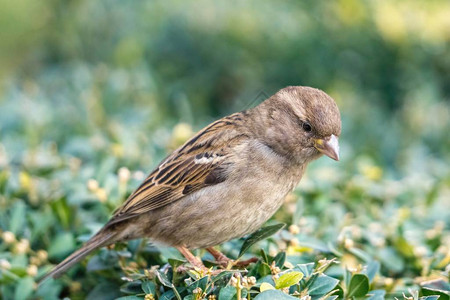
<point>220,258</point>
<point>191,258</point>
<point>226,262</point>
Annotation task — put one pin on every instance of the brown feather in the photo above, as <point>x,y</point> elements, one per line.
<point>194,165</point>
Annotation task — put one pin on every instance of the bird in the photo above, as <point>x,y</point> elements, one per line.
<point>227,180</point>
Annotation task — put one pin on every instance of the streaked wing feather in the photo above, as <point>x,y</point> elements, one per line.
<point>200,162</point>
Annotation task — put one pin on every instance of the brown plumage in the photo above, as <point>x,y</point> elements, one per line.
<point>228,179</point>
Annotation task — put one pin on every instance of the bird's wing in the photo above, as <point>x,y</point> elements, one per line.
<point>202,161</point>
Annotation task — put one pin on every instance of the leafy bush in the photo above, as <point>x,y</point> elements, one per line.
<point>95,93</point>
<point>352,233</point>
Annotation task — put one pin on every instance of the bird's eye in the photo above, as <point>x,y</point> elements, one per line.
<point>306,127</point>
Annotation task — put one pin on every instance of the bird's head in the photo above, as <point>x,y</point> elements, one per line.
<point>303,123</point>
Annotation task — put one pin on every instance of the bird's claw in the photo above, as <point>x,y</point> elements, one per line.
<point>199,271</point>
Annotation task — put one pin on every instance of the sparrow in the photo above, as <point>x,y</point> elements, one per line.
<point>227,180</point>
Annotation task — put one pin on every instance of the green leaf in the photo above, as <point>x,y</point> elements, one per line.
<point>131,288</point>
<point>429,298</point>
<point>149,287</point>
<point>18,270</point>
<point>404,247</point>
<point>49,290</point>
<point>259,235</point>
<point>359,286</point>
<point>62,210</point>
<point>201,283</point>
<point>227,293</point>
<point>391,259</point>
<point>175,263</point>
<point>376,295</point>
<point>273,294</point>
<point>163,279</point>
<point>62,245</point>
<point>436,287</point>
<point>361,254</point>
<point>222,275</point>
<point>306,269</point>
<point>432,195</point>
<point>372,269</point>
<point>321,285</point>
<point>97,263</point>
<point>8,277</point>
<point>130,298</point>
<point>279,259</point>
<point>288,279</point>
<point>347,277</point>
<point>168,295</point>
<point>264,256</point>
<point>265,287</point>
<point>24,288</point>
<point>263,270</point>
<point>267,278</point>
<point>166,282</point>
<point>17,217</point>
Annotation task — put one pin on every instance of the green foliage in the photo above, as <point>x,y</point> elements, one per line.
<point>359,286</point>
<point>288,279</point>
<point>95,93</point>
<point>273,294</point>
<point>259,235</point>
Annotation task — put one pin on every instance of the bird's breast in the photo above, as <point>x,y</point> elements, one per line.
<point>253,192</point>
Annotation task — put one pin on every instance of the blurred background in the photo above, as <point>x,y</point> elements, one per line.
<point>94,93</point>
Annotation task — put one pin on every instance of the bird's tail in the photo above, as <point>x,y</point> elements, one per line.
<point>102,238</point>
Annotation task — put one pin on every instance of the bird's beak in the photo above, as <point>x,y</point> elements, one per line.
<point>328,146</point>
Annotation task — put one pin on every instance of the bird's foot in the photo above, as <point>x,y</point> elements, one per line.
<point>228,263</point>
<point>196,263</point>
<point>199,271</point>
<point>245,263</point>
<point>221,259</point>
